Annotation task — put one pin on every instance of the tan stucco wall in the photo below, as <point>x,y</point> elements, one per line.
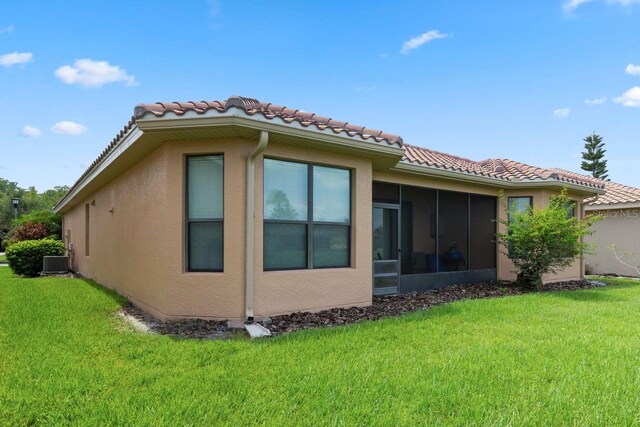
<point>138,248</point>
<point>620,227</point>
<point>127,247</point>
<point>141,253</point>
<point>540,199</point>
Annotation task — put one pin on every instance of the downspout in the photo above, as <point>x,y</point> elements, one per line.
<point>250,222</point>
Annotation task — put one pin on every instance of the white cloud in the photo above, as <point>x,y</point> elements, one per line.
<point>630,98</point>
<point>215,8</point>
<point>8,29</point>
<point>10,59</point>
<point>634,70</point>
<point>562,113</point>
<point>596,101</point>
<point>31,131</point>
<point>90,73</point>
<point>571,5</point>
<point>418,41</point>
<point>67,127</point>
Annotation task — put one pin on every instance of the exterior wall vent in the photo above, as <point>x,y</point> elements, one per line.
<point>55,264</point>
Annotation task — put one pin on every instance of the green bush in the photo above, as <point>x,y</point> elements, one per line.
<point>25,258</point>
<point>544,240</point>
<point>51,220</point>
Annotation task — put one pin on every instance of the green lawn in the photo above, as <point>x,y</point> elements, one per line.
<point>539,359</point>
<point>3,258</point>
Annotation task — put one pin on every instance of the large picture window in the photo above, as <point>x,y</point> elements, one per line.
<point>205,213</point>
<point>307,216</point>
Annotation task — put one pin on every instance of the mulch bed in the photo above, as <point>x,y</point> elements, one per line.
<point>384,306</point>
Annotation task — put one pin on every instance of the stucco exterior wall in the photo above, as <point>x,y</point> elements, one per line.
<point>138,250</point>
<point>137,235</point>
<point>620,227</point>
<point>540,199</point>
<point>128,245</point>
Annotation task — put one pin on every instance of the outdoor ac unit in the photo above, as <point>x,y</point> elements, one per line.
<point>55,265</point>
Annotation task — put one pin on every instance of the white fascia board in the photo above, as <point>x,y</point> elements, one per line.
<point>493,181</point>
<point>133,135</point>
<point>611,206</point>
<point>238,117</point>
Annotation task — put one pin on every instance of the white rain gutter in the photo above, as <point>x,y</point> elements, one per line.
<point>250,222</point>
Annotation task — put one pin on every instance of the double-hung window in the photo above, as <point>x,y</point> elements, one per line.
<point>517,205</point>
<point>205,212</point>
<point>307,216</point>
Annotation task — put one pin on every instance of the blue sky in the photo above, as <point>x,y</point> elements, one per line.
<point>475,79</point>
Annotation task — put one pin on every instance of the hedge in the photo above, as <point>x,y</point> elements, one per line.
<point>25,258</point>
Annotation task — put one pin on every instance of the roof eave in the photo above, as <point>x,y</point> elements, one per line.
<point>608,206</point>
<point>384,153</point>
<point>427,170</point>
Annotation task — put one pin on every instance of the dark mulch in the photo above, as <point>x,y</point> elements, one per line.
<point>395,305</point>
<point>385,306</point>
<point>192,328</point>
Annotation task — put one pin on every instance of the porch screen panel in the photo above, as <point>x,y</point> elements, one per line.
<point>418,231</point>
<point>482,247</point>
<point>384,192</point>
<point>453,224</point>
<point>205,212</point>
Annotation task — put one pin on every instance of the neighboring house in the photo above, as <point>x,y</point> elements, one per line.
<point>620,208</point>
<point>239,209</point>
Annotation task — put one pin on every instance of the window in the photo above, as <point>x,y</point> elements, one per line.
<point>307,216</point>
<point>515,205</point>
<point>519,204</point>
<point>86,230</point>
<point>205,213</point>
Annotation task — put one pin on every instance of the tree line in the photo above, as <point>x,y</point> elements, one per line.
<point>31,202</point>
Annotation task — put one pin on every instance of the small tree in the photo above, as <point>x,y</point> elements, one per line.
<point>29,231</point>
<point>282,208</point>
<point>593,157</point>
<point>540,241</point>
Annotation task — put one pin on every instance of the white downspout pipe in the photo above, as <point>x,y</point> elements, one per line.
<point>250,222</point>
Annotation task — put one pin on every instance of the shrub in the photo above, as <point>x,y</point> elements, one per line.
<point>543,241</point>
<point>25,258</point>
<point>29,231</point>
<point>51,220</point>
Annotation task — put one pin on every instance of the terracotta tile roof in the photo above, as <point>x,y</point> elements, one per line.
<point>269,111</point>
<point>112,145</point>
<point>504,169</point>
<point>614,193</point>
<point>437,159</point>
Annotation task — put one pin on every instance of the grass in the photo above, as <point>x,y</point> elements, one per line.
<point>3,258</point>
<point>538,359</point>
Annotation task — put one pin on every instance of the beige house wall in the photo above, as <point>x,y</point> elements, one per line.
<point>137,235</point>
<point>620,227</point>
<point>540,199</point>
<point>141,250</point>
<point>126,237</point>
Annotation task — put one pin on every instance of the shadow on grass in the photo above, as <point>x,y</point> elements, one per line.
<point>113,295</point>
<point>590,295</point>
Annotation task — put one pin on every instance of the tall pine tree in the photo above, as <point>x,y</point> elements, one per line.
<point>593,157</point>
